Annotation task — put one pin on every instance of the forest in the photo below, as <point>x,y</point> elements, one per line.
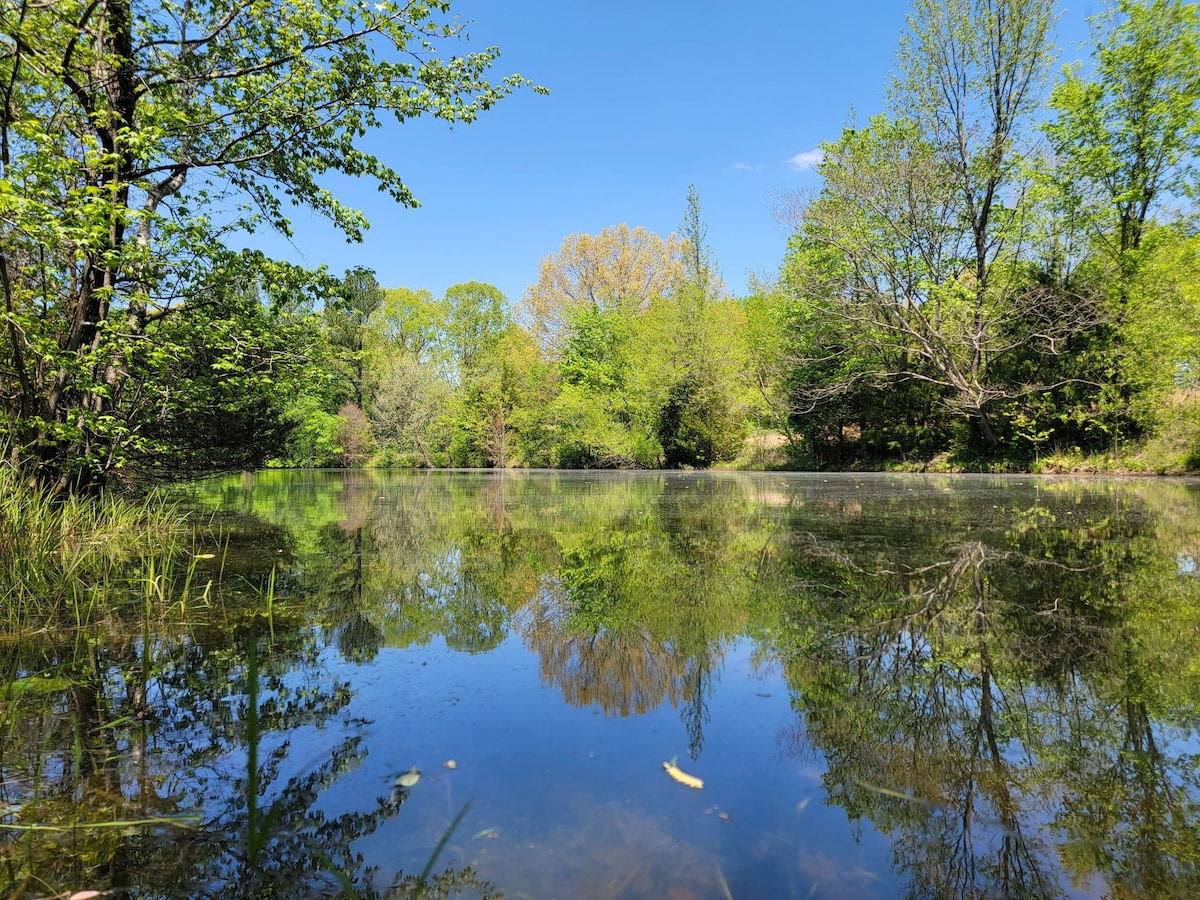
<point>999,272</point>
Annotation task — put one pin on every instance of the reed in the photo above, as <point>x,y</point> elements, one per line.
<point>61,554</point>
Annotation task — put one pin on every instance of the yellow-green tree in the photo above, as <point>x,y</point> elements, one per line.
<point>621,268</point>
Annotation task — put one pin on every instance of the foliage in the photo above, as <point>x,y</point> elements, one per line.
<point>1128,136</point>
<point>621,268</point>
<point>128,131</point>
<point>347,314</point>
<point>923,206</point>
<point>312,433</point>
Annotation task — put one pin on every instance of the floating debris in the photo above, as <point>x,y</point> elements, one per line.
<point>449,764</point>
<point>681,776</point>
<point>409,778</point>
<point>206,556</point>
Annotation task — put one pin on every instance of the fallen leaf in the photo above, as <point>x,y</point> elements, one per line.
<point>683,777</point>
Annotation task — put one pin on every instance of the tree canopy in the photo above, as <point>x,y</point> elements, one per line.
<point>997,266</point>
<point>136,137</point>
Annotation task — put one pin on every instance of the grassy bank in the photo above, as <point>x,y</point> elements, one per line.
<point>56,552</point>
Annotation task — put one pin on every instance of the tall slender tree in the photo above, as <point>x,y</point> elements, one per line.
<point>925,211</point>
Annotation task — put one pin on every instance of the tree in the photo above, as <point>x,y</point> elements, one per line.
<point>1126,137</point>
<point>1131,134</point>
<point>354,436</point>
<point>475,320</point>
<point>693,358</point>
<point>926,213</point>
<point>698,268</point>
<point>409,401</point>
<point>410,322</point>
<point>490,402</point>
<point>347,318</point>
<point>620,268</point>
<point>123,127</point>
<point>213,387</point>
<point>600,418</point>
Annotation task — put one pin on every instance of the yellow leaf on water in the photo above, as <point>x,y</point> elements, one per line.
<point>683,777</point>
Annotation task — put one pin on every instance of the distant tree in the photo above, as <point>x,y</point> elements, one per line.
<point>348,315</point>
<point>620,268</point>
<point>410,401</point>
<point>411,322</point>
<point>354,436</point>
<point>476,317</point>
<point>698,267</point>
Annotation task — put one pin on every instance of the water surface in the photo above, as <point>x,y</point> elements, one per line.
<point>889,685</point>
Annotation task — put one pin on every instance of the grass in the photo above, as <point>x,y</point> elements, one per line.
<point>56,553</point>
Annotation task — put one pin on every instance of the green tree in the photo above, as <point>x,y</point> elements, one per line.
<point>1126,136</point>
<point>503,391</point>
<point>411,322</point>
<point>1129,135</point>
<point>927,211</point>
<point>476,317</point>
<point>124,125</point>
<point>597,420</point>
<point>694,350</point>
<point>347,319</point>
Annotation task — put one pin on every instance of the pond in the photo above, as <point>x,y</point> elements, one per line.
<point>921,686</point>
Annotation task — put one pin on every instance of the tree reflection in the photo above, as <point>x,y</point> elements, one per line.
<point>1006,688</point>
<point>960,704</point>
<point>160,733</point>
<point>639,612</point>
<point>623,672</point>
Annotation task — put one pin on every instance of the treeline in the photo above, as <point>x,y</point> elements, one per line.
<point>1003,266</point>
<point>1001,271</point>
<point>629,355</point>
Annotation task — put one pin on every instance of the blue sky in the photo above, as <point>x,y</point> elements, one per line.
<point>647,97</point>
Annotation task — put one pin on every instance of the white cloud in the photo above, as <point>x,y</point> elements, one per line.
<point>744,166</point>
<point>810,159</point>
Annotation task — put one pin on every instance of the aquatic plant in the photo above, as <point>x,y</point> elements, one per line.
<point>56,552</point>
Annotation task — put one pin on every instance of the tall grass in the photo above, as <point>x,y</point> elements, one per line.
<point>57,552</point>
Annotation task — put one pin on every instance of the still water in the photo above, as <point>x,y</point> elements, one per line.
<point>890,686</point>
